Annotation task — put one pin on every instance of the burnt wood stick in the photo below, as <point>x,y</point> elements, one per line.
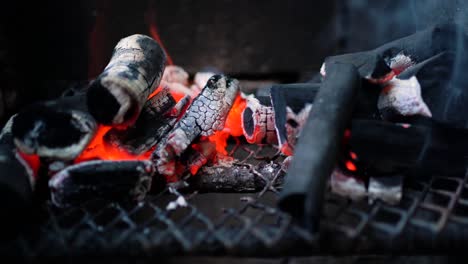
<point>233,177</point>
<point>425,146</point>
<point>153,123</point>
<point>16,185</point>
<point>295,96</point>
<point>58,129</point>
<point>117,96</point>
<point>206,114</point>
<point>89,180</point>
<point>377,63</point>
<point>317,148</point>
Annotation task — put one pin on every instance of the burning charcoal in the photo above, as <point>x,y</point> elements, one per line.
<point>347,185</point>
<point>101,179</point>
<point>388,189</point>
<point>402,98</point>
<point>117,96</point>
<point>317,148</point>
<point>383,63</point>
<point>258,123</point>
<point>204,116</point>
<point>16,184</point>
<point>229,176</point>
<point>58,129</point>
<point>153,123</point>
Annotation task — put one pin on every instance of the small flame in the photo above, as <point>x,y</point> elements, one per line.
<point>153,30</point>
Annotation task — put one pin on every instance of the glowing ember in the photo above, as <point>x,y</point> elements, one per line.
<point>99,149</point>
<point>32,160</point>
<point>153,30</point>
<point>232,126</point>
<point>350,166</point>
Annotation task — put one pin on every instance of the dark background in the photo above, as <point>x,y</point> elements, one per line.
<point>44,45</point>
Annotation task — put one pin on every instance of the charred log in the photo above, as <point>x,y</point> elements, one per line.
<point>115,180</point>
<point>317,150</point>
<point>206,114</point>
<point>153,123</point>
<point>117,96</point>
<point>58,129</point>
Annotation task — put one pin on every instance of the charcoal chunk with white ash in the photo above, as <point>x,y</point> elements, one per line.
<point>206,114</point>
<point>118,94</point>
<point>55,130</point>
<point>113,180</point>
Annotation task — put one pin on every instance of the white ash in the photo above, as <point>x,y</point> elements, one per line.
<point>175,74</point>
<point>403,97</point>
<point>399,63</point>
<point>388,189</point>
<point>347,185</point>
<point>200,79</point>
<point>263,119</point>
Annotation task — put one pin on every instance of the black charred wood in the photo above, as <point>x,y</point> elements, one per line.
<point>377,63</point>
<point>295,96</point>
<point>318,146</point>
<point>58,129</point>
<point>118,94</point>
<point>113,180</point>
<point>154,122</point>
<point>424,146</point>
<point>16,185</point>
<point>234,177</point>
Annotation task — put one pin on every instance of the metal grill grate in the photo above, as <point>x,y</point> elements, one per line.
<point>432,217</point>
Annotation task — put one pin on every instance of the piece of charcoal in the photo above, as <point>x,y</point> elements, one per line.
<point>118,94</point>
<point>386,61</point>
<point>17,182</point>
<point>317,149</point>
<point>229,176</point>
<point>206,114</point>
<point>153,123</point>
<point>258,123</point>
<point>58,129</point>
<point>115,180</point>
<point>294,96</point>
<point>386,188</point>
<point>422,145</point>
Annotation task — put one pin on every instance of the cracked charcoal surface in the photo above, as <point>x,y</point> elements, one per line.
<point>206,114</point>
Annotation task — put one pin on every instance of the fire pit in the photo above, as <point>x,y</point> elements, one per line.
<point>146,159</point>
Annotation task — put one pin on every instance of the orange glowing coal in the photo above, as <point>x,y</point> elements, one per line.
<point>232,127</point>
<point>98,148</point>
